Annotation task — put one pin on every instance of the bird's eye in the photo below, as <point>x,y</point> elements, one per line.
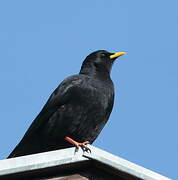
<point>103,55</point>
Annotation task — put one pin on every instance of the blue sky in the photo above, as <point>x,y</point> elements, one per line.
<point>42,42</point>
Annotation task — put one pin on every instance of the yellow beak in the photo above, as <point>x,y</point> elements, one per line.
<point>115,55</point>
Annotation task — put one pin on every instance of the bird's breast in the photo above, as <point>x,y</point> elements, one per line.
<point>89,112</point>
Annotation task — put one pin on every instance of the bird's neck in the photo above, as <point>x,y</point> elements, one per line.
<point>96,72</point>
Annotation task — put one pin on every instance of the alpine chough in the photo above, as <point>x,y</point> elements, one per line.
<point>76,111</point>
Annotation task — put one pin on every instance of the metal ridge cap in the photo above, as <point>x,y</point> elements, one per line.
<point>122,164</point>
<point>41,160</point>
<point>70,155</point>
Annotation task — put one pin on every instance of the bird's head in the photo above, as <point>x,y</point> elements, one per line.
<point>99,61</point>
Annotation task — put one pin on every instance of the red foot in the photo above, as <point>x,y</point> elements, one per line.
<point>77,144</point>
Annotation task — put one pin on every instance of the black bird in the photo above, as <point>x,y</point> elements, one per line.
<point>76,111</point>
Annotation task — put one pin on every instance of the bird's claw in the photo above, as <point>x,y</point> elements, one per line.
<point>84,146</point>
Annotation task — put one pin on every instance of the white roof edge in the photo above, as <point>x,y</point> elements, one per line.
<point>40,161</point>
<point>123,165</point>
<point>66,156</point>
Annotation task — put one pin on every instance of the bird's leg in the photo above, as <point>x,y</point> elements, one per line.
<point>83,145</point>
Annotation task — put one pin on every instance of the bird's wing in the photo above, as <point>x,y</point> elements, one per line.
<point>59,97</point>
